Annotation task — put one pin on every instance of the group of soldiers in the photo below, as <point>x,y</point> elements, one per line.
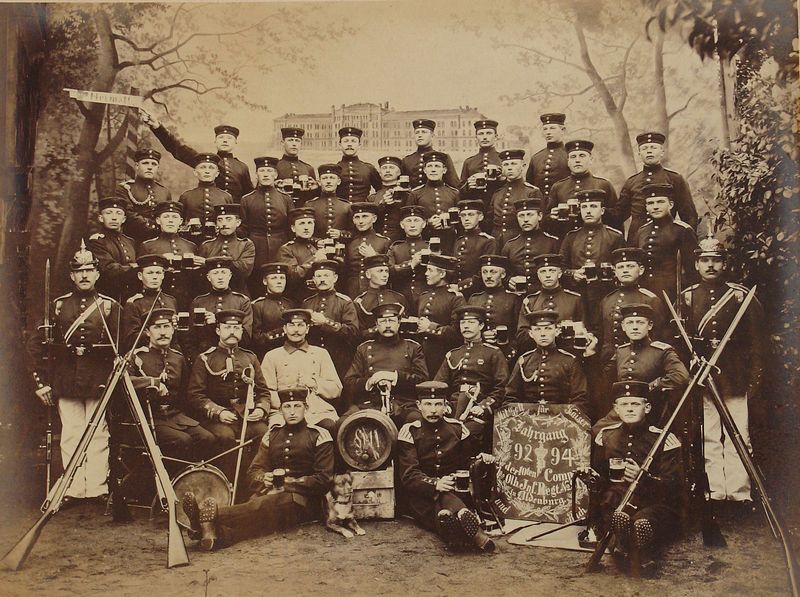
<point>321,290</point>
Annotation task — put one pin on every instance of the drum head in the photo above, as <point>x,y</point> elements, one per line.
<point>204,481</point>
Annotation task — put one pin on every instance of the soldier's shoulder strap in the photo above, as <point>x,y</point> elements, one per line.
<point>739,291</point>
<point>599,437</point>
<point>58,301</point>
<point>176,351</point>
<point>485,235</point>
<point>258,300</point>
<point>670,443</point>
<point>239,294</point>
<point>521,358</point>
<point>460,425</point>
<point>323,436</point>
<point>660,345</point>
<point>647,292</point>
<point>344,296</point>
<point>97,236</point>
<point>572,292</point>
<point>127,184</point>
<point>547,234</point>
<point>384,237</point>
<point>133,298</point>
<point>531,186</point>
<point>513,238</point>
<point>204,294</point>
<point>626,345</point>
<point>141,349</point>
<point>451,188</point>
<point>412,342</point>
<point>454,291</point>
<point>612,229</point>
<point>422,186</point>
<point>245,350</point>
<point>682,224</point>
<point>569,354</point>
<point>404,435</point>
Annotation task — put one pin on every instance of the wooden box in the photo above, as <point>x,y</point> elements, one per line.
<point>373,494</point>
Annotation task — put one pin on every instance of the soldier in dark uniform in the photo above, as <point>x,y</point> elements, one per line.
<point>480,173</point>
<point>364,243</point>
<point>305,454</point>
<point>530,242</point>
<point>291,167</point>
<point>472,244</point>
<point>218,387</point>
<point>632,197</point>
<point>405,256</point>
<point>435,307</point>
<point>358,177</point>
<point>414,164</point>
<point>501,214</point>
<point>709,308</point>
<point>115,252</point>
<point>587,249</point>
<point>549,165</point>
<point>199,202</point>
<point>436,197</point>
<point>546,373</point>
<point>332,215</point>
<point>668,244</point>
<point>143,193</point>
<point>242,251</point>
<point>83,358</point>
<point>389,362</point>
<point>475,372</point>
<point>376,270</point>
<point>301,252</point>
<point>234,175</point>
<point>219,271</point>
<point>151,273</point>
<point>390,197</point>
<point>429,451</point>
<point>268,309</point>
<point>502,307</point>
<point>629,442</point>
<point>169,244</point>
<point>162,373</point>
<point>552,296</point>
<point>265,218</point>
<point>579,160</point>
<point>333,316</point>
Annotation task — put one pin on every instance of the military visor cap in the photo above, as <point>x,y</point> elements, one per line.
<point>630,388</point>
<point>230,316</point>
<point>486,124</point>
<point>167,207</point>
<point>658,190</point>
<point>432,390</point>
<point>591,195</point>
<point>553,118</point>
<point>471,204</point>
<point>151,261</point>
<point>226,129</point>
<point>408,211</point>
<point>650,137</point>
<point>274,268</point>
<point>325,264</point>
<point>512,154</point>
<point>330,169</point>
<point>542,317</point>
<point>636,310</point>
<point>361,207</point>
<point>200,158</point>
<point>112,202</point>
<point>390,159</point>
<point>527,204</point>
<point>291,315</point>
<point>266,161</point>
<point>444,262</point>
<point>628,254</point>
<point>350,131</point>
<point>292,395</point>
<point>579,145</point>
<point>423,123</point>
<point>293,132</point>
<point>219,262</point>
<point>388,310</point>
<point>161,315</point>
<point>548,260</point>
<point>434,156</point>
<point>228,209</point>
<point>470,312</point>
<point>379,260</point>
<point>495,261</point>
<point>146,154</point>
<point>298,213</point>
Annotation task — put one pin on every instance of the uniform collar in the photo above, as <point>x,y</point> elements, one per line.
<point>220,292</point>
<point>554,144</point>
<point>435,183</point>
<point>225,154</point>
<point>349,158</point>
<point>290,158</point>
<point>205,185</point>
<point>394,340</point>
<point>482,150</point>
<point>293,348</point>
<point>652,169</point>
<point>581,176</point>
<point>425,149</point>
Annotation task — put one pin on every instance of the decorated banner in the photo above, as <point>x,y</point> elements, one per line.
<point>101,97</point>
<point>538,447</point>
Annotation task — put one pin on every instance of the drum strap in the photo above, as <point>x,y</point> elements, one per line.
<point>81,318</point>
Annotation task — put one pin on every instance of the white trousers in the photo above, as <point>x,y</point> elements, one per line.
<point>727,477</point>
<point>91,478</point>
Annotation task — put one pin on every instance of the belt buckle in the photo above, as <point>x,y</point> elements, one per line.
<point>80,351</point>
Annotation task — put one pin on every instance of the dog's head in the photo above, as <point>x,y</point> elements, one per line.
<point>342,485</point>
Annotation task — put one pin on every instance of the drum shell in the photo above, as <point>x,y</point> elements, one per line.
<point>204,481</point>
<point>366,440</point>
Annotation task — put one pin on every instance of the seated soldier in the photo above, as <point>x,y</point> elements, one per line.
<point>151,273</point>
<point>619,451</point>
<point>429,453</point>
<point>298,364</point>
<point>289,476</point>
<point>389,364</point>
<point>268,309</point>
<point>376,271</point>
<point>476,373</point>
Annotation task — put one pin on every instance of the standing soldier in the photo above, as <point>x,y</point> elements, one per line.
<point>473,243</point>
<point>115,252</point>
<point>668,244</point>
<point>358,177</point>
<point>199,202</point>
<point>83,358</point>
<point>480,174</point>
<point>502,307</point>
<point>268,309</point>
<point>549,165</point>
<point>301,252</point>
<point>292,169</point>
<point>501,214</point>
<point>387,361</point>
<point>709,308</point>
<point>436,198</point>
<point>632,197</point>
<point>143,193</point>
<point>414,164</point>
<point>265,218</point>
<point>242,252</point>
<point>390,198</point>
<point>405,256</point>
<point>376,270</point>
<point>530,242</point>
<point>364,243</point>
<point>332,215</point>
<point>151,273</point>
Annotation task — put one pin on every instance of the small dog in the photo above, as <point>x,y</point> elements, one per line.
<point>340,518</point>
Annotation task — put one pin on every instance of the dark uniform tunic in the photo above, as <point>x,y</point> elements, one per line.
<point>305,452</point>
<point>469,248</point>
<point>547,375</point>
<point>502,308</point>
<point>436,198</point>
<point>438,305</point>
<point>355,281</point>
<point>567,303</point>
<point>142,196</point>
<point>339,339</point>
<point>548,166</point>
<point>205,336</point>
<point>177,282</point>
<point>656,496</point>
<point>268,322</point>
<point>293,167</point>
<point>661,241</point>
<point>265,221</point>
<point>242,252</point>
<point>389,214</point>
<point>367,301</point>
<point>611,335</point>
<point>298,255</point>
<point>486,156</point>
<point>405,279</point>
<point>234,175</point>
<point>427,452</point>
<point>331,211</point>
<point>200,201</point>
<point>387,354</point>
<point>632,199</point>
<point>357,179</point>
<point>115,254</point>
<point>136,309</point>
<point>521,250</point>
<point>414,166</point>
<point>566,188</point>
<point>178,434</point>
<point>502,216</point>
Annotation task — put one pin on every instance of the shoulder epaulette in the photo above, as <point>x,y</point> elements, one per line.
<point>134,298</point>
<point>379,235</point>
<point>62,297</point>
<point>647,292</point>
<point>464,430</point>
<point>127,184</point>
<point>670,171</point>
<point>599,437</point>
<point>568,291</point>
<point>569,354</point>
<point>261,298</point>
<point>247,351</point>
<point>474,294</point>
<point>524,354</point>
<point>550,235</point>
<point>344,296</point>
<point>454,291</point>
<point>533,186</point>
<point>418,188</point>
<point>97,236</point>
<point>449,187</point>
<point>736,286</point>
<point>210,240</point>
<point>682,223</point>
<point>485,235</point>
<point>204,294</point>
<point>210,350</point>
<point>513,238</point>
<point>149,240</point>
<point>240,294</point>
<point>397,242</point>
<point>614,230</point>
<point>176,351</point>
<point>412,341</point>
<point>624,345</point>
<point>572,233</point>
<point>671,442</point>
<point>323,437</point>
<point>106,297</point>
<point>660,345</point>
<point>490,346</point>
<point>141,349</point>
<point>404,435</point>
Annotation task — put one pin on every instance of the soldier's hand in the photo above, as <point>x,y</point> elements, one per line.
<point>334,233</point>
<point>320,255</point>
<point>591,348</point>
<point>446,484</point>
<point>436,221</point>
<point>471,181</point>
<point>631,470</point>
<point>198,261</point>
<point>366,250</point>
<point>388,196</point>
<point>45,394</point>
<point>486,458</point>
<point>416,259</point>
<point>162,389</point>
<point>476,411</point>
<point>490,335</point>
<point>313,185</point>
<point>424,324</point>
<point>266,479</point>
<point>318,318</point>
<point>227,416</point>
<point>211,319</point>
<point>579,274</point>
<point>148,118</point>
<point>256,414</point>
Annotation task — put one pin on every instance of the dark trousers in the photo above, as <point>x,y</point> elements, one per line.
<point>260,515</point>
<point>192,443</point>
<point>227,436</point>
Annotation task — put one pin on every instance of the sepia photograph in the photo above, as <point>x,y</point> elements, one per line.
<point>400,297</point>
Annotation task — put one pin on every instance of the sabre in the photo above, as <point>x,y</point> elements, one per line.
<point>47,328</point>
<point>249,405</point>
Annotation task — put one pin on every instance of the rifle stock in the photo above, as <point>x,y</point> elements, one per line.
<point>17,555</point>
